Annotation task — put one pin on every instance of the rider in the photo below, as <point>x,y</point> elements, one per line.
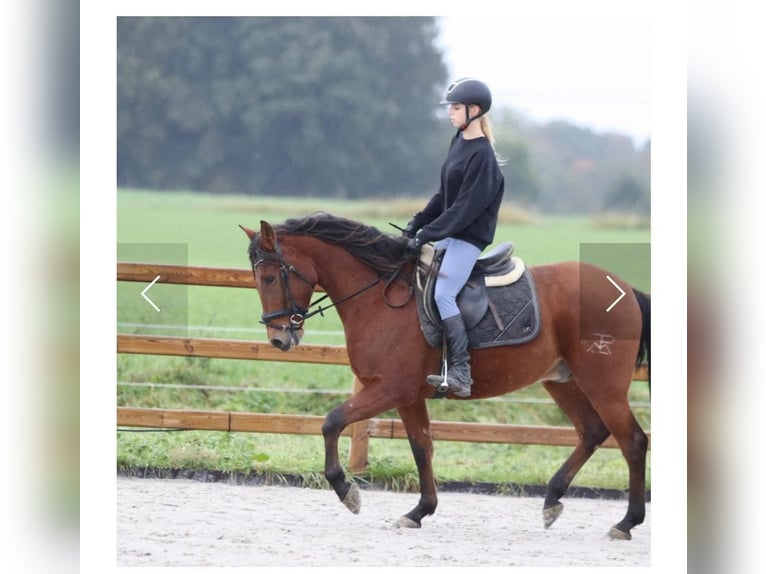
<point>461,217</point>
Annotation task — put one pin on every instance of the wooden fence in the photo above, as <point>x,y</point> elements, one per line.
<point>282,423</point>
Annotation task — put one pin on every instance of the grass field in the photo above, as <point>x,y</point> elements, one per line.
<point>203,230</point>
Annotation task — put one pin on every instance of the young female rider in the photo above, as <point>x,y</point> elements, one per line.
<point>461,217</point>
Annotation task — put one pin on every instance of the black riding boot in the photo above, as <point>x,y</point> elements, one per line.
<point>458,370</point>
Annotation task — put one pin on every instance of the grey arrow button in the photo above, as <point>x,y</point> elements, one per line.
<point>622,294</point>
<point>145,296</point>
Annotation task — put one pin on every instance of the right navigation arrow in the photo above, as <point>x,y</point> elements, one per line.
<point>622,294</point>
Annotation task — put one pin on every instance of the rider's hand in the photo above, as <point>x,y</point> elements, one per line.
<point>413,247</point>
<point>410,231</point>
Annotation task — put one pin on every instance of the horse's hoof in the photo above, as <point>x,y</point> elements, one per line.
<point>353,501</point>
<point>550,515</point>
<point>405,522</point>
<point>617,534</point>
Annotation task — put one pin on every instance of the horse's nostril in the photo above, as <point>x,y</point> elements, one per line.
<point>279,344</point>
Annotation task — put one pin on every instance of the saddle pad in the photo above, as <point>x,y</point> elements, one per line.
<point>518,314</point>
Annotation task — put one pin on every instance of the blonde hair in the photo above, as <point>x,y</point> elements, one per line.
<point>486,128</point>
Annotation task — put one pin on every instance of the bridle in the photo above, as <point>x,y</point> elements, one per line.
<point>296,314</point>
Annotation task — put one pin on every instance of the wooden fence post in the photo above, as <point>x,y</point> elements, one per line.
<point>360,439</point>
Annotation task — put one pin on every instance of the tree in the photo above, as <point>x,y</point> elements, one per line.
<point>577,167</point>
<point>627,196</point>
<point>293,106</point>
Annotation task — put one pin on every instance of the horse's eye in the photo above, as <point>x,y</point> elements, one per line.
<point>269,280</point>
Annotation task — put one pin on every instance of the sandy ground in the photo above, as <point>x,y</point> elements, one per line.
<point>176,522</point>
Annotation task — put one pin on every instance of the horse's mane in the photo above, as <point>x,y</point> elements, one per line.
<point>383,253</point>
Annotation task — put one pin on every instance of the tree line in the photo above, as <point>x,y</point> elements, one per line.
<point>330,107</point>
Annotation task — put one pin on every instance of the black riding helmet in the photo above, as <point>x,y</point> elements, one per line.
<point>469,91</point>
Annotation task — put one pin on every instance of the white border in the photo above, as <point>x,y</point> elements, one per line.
<point>98,247</point>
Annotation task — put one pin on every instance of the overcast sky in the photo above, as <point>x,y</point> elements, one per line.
<point>587,62</point>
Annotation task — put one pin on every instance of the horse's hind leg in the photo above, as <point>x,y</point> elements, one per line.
<point>416,421</point>
<point>610,400</point>
<point>591,432</point>
<point>633,444</point>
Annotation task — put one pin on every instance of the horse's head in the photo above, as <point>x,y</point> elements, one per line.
<point>285,281</point>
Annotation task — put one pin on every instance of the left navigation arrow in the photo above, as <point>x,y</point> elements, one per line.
<point>145,296</point>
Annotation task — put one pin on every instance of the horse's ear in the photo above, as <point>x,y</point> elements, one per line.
<point>250,233</point>
<point>268,237</point>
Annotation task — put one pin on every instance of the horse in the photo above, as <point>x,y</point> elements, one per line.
<point>584,356</point>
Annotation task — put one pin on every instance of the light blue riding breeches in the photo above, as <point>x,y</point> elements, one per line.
<point>459,259</point>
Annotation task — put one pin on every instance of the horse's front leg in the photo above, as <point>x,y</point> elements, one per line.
<point>366,403</point>
<point>416,421</point>
<point>333,426</point>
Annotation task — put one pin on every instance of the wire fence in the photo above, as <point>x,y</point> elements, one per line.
<point>235,389</point>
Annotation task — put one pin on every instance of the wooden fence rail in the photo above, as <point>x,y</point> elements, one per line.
<point>229,349</point>
<point>312,425</point>
<point>283,423</point>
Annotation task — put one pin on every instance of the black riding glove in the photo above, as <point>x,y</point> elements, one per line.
<point>411,229</point>
<point>413,247</point>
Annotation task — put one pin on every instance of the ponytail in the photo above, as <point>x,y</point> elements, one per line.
<point>486,128</point>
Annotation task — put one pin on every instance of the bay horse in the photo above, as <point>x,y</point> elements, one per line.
<point>366,275</point>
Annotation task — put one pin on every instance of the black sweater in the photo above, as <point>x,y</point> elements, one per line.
<point>469,197</point>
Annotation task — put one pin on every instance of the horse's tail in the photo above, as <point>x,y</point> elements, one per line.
<point>644,347</point>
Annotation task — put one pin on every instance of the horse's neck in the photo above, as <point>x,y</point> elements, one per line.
<point>344,278</point>
<point>340,274</point>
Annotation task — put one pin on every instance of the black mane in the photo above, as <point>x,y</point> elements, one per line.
<point>383,253</point>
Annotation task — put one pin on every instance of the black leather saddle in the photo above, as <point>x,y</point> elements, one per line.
<point>498,303</point>
<point>473,300</point>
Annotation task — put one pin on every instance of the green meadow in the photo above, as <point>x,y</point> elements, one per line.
<point>198,229</point>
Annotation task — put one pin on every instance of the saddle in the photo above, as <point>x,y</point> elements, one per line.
<point>498,304</point>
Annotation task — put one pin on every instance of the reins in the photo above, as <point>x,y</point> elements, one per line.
<point>320,310</point>
<point>394,276</point>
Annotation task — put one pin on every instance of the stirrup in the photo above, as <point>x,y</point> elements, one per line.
<point>440,381</point>
<point>442,385</point>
